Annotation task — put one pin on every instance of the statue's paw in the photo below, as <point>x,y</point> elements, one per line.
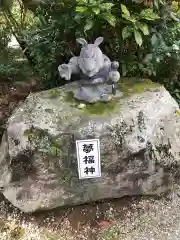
<point>65,71</point>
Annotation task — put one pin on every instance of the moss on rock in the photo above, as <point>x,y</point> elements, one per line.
<point>43,141</point>
<point>178,112</point>
<point>131,86</point>
<point>54,93</point>
<point>128,86</point>
<point>92,108</point>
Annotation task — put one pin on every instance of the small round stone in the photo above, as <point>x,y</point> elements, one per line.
<point>81,105</point>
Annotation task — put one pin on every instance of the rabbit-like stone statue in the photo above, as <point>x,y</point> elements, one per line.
<point>98,74</point>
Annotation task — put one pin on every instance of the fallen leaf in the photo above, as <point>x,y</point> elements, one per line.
<point>105,224</point>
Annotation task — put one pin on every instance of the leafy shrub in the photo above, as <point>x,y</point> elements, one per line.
<point>12,71</point>
<point>49,42</point>
<point>162,62</point>
<point>61,22</point>
<point>8,72</point>
<point>14,66</point>
<point>143,35</point>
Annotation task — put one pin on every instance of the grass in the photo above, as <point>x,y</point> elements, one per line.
<point>110,234</point>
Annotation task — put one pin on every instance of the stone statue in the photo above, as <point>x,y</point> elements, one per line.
<point>98,75</point>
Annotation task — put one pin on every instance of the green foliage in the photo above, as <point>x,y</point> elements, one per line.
<point>4,37</point>
<point>93,11</point>
<point>135,23</point>
<point>14,67</point>
<point>4,33</point>
<point>13,20</point>
<point>163,59</point>
<point>142,35</point>
<point>7,72</point>
<point>51,41</point>
<point>61,22</point>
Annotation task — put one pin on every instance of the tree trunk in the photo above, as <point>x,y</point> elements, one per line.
<point>25,50</point>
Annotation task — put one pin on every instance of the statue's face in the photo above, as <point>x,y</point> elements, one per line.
<point>91,60</point>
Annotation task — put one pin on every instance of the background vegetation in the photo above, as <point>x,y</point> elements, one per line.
<point>143,35</point>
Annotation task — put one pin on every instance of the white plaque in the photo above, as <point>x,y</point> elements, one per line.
<point>88,156</point>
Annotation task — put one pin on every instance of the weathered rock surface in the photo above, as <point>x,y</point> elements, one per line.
<point>140,147</point>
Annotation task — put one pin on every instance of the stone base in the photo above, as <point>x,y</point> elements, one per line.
<point>139,145</point>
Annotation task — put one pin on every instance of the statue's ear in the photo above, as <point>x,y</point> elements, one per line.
<point>98,41</point>
<point>82,41</point>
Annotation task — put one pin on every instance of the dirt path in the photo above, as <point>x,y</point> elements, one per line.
<point>122,219</point>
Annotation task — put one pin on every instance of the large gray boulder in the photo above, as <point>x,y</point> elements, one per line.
<point>139,140</point>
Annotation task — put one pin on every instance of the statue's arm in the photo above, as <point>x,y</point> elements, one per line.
<point>73,63</point>
<point>66,70</point>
